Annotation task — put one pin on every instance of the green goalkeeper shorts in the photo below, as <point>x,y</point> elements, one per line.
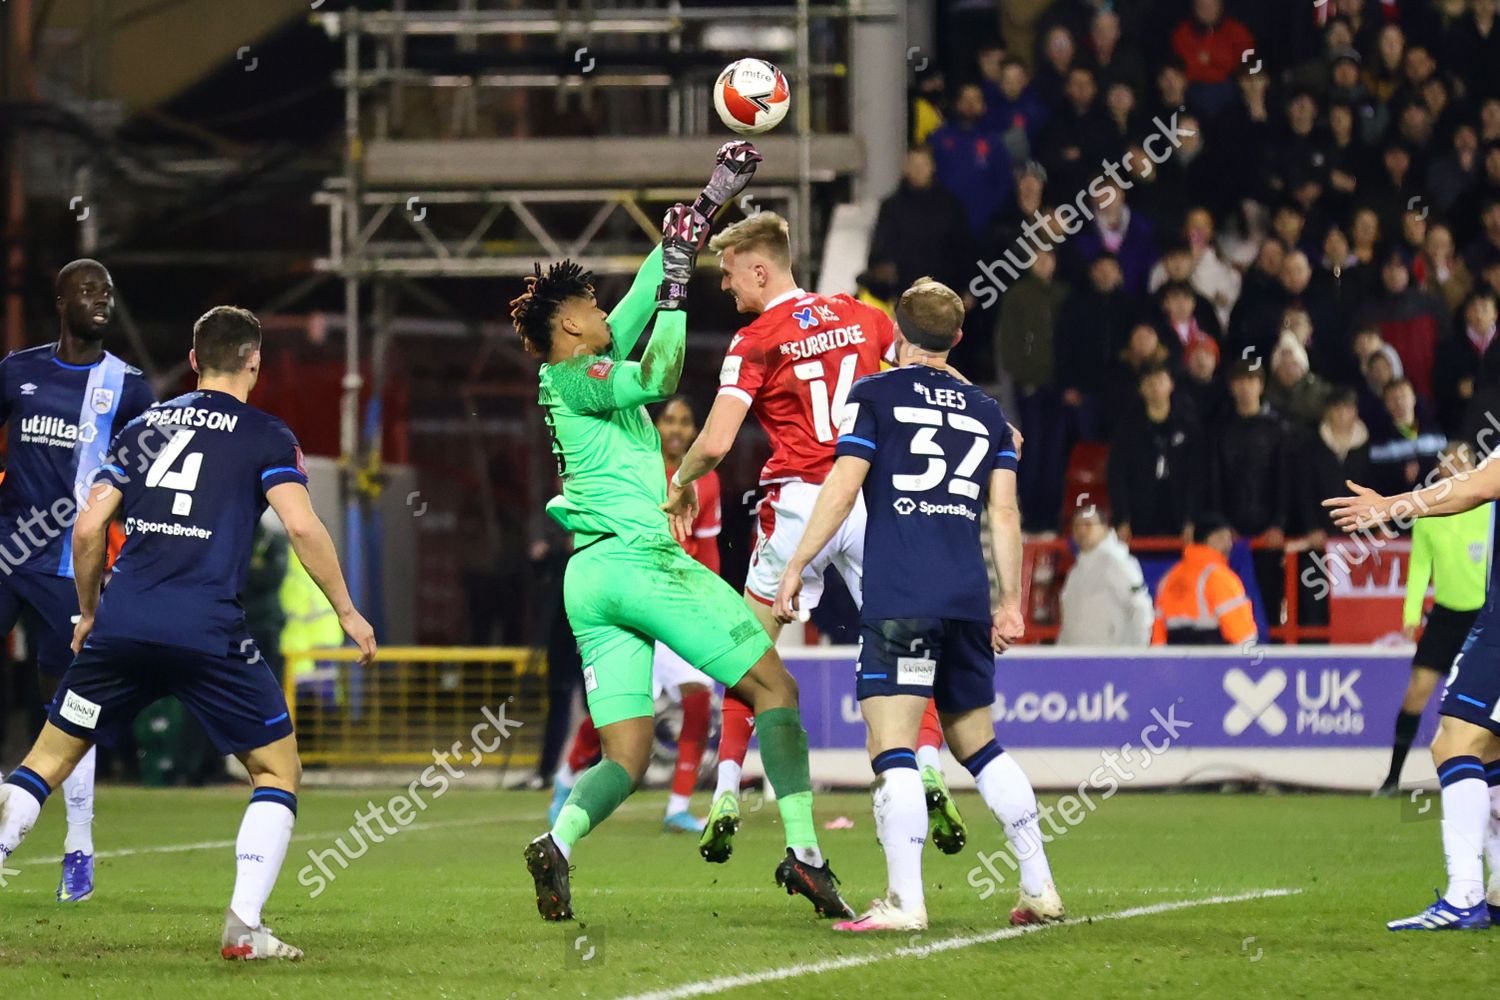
<point>624,596</point>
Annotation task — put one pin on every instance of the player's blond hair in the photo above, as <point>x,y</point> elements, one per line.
<point>930,314</point>
<point>764,232</point>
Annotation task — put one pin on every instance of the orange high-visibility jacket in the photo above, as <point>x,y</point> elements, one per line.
<point>1202,601</point>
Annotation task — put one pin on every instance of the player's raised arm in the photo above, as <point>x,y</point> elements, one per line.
<point>734,166</point>
<point>314,547</point>
<point>1364,508</point>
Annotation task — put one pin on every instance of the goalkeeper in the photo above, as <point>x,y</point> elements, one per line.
<point>629,584</point>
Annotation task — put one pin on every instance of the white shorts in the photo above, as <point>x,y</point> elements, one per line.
<point>670,671</point>
<point>781,519</point>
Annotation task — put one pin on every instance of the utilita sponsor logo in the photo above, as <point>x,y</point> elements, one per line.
<point>38,429</point>
<point>1327,703</point>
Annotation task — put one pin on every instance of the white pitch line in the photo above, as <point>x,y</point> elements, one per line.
<point>946,944</point>
<point>211,845</point>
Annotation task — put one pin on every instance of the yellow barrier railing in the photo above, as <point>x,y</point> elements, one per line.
<point>414,701</point>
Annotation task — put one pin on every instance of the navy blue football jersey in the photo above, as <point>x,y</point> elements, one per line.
<point>932,442</point>
<point>61,418</point>
<point>194,472</point>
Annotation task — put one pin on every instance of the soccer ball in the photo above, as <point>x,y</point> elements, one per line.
<point>751,96</point>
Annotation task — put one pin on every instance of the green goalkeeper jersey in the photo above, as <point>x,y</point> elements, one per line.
<point>607,449</point>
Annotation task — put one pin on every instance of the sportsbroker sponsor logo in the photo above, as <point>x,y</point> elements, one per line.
<point>135,524</point>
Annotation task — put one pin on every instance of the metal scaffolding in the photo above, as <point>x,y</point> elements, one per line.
<point>415,208</point>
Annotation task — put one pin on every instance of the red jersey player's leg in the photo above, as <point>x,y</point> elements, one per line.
<point>734,741</point>
<point>931,735</point>
<point>697,707</point>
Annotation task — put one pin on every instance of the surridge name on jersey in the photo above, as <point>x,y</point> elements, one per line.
<point>823,341</point>
<point>192,416</point>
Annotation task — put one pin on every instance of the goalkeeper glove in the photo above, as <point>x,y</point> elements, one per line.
<point>683,233</point>
<point>735,166</point>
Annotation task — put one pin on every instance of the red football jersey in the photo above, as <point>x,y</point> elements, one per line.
<point>795,365</point>
<point>704,543</point>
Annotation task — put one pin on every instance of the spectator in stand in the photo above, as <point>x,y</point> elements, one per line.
<point>1298,152</point>
<point>1025,206</point>
<point>1485,248</point>
<point>1156,464</point>
<point>1201,385</point>
<point>1472,49</point>
<point>1338,450</point>
<point>1120,231</point>
<point>1211,46</point>
<point>1176,267</point>
<point>1346,159</point>
<point>1014,103</point>
<point>1384,73</point>
<point>1171,89</point>
<point>1201,601</point>
<point>1059,56</point>
<point>1294,391</point>
<point>1440,272</point>
<point>1248,132</point>
<point>1464,358</point>
<point>1025,344</point>
<point>1077,137</point>
<point>1125,123</point>
<point>922,227</point>
<point>1382,366</point>
<point>1407,318</point>
<point>1112,60</point>
<point>1143,351</point>
<point>1092,329</point>
<point>1104,601</point>
<point>1289,223</point>
<point>1250,460</point>
<point>1256,323</point>
<point>1213,279</point>
<point>1393,187</point>
<point>927,99</point>
<point>1178,326</point>
<point>1407,453</point>
<point>971,160</point>
<point>1452,175</point>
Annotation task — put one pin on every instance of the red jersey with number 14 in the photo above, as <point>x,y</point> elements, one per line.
<point>794,367</point>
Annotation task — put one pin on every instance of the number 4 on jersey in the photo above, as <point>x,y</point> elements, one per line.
<point>185,479</point>
<point>827,412</point>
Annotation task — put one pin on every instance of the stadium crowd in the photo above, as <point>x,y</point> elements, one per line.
<point>1301,290</point>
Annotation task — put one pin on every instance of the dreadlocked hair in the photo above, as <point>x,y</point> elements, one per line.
<point>532,311</point>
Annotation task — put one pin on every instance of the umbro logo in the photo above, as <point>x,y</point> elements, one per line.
<point>1254,702</point>
<point>28,388</point>
<point>904,505</point>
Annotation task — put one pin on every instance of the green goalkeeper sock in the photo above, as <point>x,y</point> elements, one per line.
<point>598,793</point>
<point>783,751</point>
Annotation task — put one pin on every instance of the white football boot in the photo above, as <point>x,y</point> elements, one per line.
<point>882,916</point>
<point>1044,908</point>
<point>242,942</point>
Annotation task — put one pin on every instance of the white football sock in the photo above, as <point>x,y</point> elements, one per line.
<point>566,850</point>
<point>677,804</point>
<point>901,828</point>
<point>18,812</point>
<point>78,794</point>
<point>259,851</point>
<point>1466,817</point>
<point>1492,845</point>
<point>929,757</point>
<point>812,856</point>
<point>1005,789</point>
<point>729,779</point>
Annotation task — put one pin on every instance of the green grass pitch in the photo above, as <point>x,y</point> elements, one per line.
<point>444,909</point>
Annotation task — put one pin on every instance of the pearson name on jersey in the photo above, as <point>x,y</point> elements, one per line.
<point>932,442</point>
<point>61,418</point>
<point>190,516</point>
<point>794,367</point>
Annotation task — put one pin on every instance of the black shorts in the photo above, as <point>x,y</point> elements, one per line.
<point>1473,689</point>
<point>1443,637</point>
<point>54,601</point>
<point>234,696</point>
<point>945,659</point>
